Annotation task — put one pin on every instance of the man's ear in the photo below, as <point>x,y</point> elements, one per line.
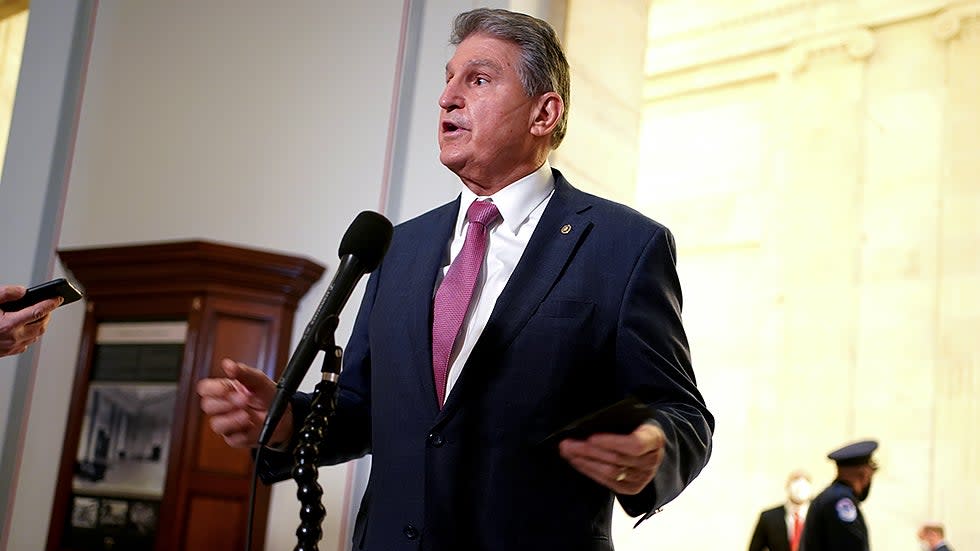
<point>545,113</point>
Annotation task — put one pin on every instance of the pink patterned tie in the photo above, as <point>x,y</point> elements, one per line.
<point>454,294</point>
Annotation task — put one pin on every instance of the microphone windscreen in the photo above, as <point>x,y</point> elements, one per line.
<point>367,239</point>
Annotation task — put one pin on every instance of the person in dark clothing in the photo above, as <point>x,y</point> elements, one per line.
<point>493,321</point>
<point>834,522</point>
<point>780,528</point>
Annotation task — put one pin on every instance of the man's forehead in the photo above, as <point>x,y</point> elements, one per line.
<point>477,62</point>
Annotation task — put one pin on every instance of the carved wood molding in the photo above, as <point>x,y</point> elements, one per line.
<point>190,267</point>
<point>949,22</point>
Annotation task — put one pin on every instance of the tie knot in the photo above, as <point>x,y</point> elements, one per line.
<point>482,212</point>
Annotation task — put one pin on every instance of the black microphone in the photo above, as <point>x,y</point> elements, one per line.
<point>361,250</point>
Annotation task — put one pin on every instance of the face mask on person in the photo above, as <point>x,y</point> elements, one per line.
<point>864,493</point>
<point>800,490</point>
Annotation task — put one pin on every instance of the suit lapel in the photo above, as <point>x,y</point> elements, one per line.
<point>563,225</point>
<point>418,270</point>
<point>782,530</point>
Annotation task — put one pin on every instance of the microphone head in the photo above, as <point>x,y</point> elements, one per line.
<point>367,239</point>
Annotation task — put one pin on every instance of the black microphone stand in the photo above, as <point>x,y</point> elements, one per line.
<point>311,435</point>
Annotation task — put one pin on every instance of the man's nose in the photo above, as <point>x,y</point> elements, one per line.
<point>451,98</point>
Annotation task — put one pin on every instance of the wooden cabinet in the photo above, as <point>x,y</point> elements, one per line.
<point>141,469</point>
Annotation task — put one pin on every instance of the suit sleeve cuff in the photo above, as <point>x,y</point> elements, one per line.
<point>275,463</point>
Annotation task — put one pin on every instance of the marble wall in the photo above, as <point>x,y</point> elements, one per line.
<point>817,163</point>
<point>12,31</point>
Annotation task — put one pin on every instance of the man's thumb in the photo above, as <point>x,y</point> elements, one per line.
<point>252,379</point>
<point>11,292</point>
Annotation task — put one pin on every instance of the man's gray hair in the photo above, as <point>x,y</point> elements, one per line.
<point>543,67</point>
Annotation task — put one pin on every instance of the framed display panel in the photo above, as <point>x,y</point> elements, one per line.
<point>121,462</point>
<point>140,467</point>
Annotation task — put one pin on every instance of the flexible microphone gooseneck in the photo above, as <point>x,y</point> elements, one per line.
<point>361,250</point>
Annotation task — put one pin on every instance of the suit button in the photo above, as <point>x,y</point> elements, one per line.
<point>410,532</point>
<point>435,440</point>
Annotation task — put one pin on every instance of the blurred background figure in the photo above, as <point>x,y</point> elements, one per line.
<point>835,522</point>
<point>932,537</point>
<point>780,528</point>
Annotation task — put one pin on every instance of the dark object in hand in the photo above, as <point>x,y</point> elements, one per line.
<point>620,418</point>
<point>60,287</point>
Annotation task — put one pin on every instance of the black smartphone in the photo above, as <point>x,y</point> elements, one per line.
<point>60,287</point>
<point>620,418</point>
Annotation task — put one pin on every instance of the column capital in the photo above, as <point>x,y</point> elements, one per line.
<point>948,23</point>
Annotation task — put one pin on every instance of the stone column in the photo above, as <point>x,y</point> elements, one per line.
<point>955,473</point>
<point>605,41</point>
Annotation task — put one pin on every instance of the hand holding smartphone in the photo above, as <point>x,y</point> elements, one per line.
<point>60,287</point>
<point>620,418</point>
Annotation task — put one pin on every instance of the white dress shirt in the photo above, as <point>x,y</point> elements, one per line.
<point>792,508</point>
<point>520,205</point>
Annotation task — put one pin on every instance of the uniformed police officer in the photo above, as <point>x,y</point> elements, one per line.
<point>834,522</point>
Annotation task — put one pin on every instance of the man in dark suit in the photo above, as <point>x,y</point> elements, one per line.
<point>835,522</point>
<point>780,528</point>
<point>932,537</point>
<point>495,320</point>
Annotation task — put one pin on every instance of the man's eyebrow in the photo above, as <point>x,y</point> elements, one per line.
<point>481,62</point>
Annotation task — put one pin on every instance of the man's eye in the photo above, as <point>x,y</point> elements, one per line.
<point>480,81</point>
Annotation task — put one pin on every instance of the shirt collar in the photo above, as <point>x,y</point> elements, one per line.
<point>515,201</point>
<point>800,508</point>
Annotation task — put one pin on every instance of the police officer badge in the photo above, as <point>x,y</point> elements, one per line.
<point>846,510</point>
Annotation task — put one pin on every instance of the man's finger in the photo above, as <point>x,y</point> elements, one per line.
<point>33,314</point>
<point>241,440</point>
<point>212,405</point>
<point>45,308</point>
<point>643,440</point>
<point>596,470</point>
<point>586,449</point>
<point>215,387</point>
<point>11,292</point>
<point>252,379</point>
<point>230,423</point>
<point>623,480</point>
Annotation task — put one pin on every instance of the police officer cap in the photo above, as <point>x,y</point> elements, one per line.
<point>857,453</point>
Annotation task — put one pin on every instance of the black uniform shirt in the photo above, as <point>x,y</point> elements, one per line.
<point>834,522</point>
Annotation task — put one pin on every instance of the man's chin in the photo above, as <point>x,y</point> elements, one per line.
<point>452,161</point>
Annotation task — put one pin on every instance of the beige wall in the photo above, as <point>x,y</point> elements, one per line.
<point>817,162</point>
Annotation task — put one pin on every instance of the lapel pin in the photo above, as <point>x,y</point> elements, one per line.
<point>566,229</point>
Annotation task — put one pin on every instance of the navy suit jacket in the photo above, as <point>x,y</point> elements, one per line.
<point>591,313</point>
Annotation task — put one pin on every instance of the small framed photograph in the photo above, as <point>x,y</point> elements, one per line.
<point>113,512</point>
<point>143,517</point>
<point>84,512</point>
